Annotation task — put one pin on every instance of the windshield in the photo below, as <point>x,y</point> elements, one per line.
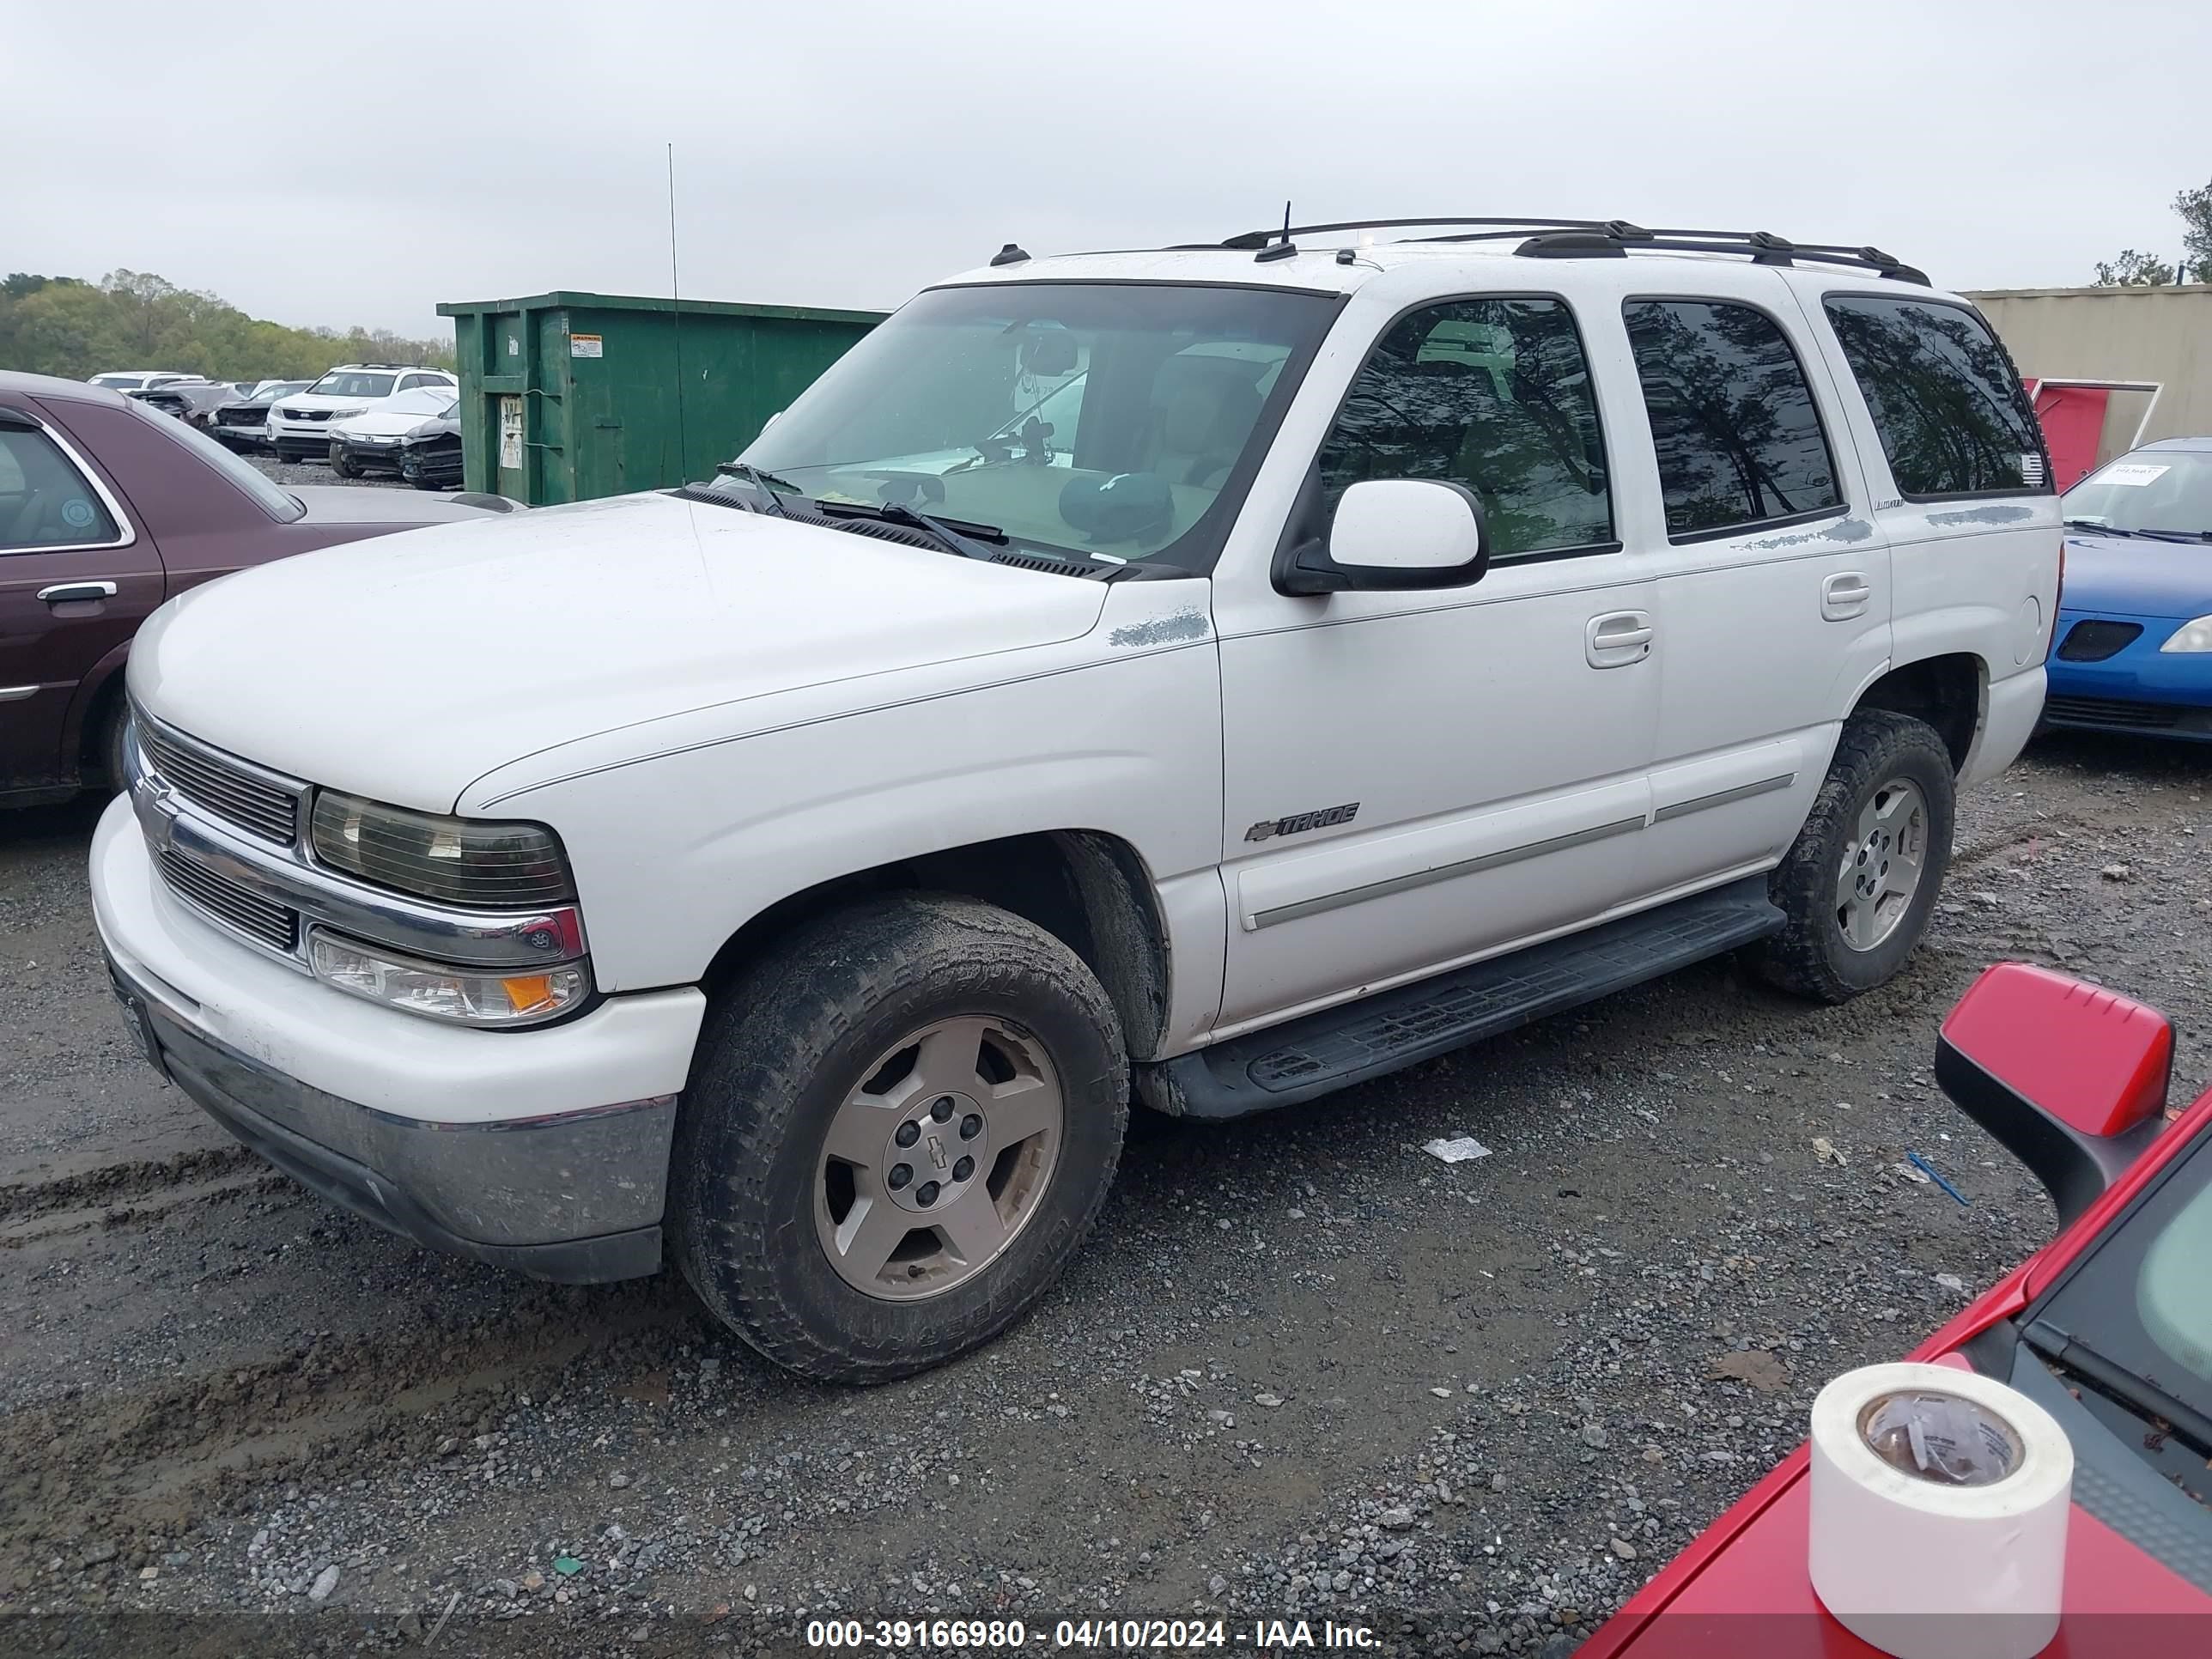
<point>270,394</point>
<point>280,505</point>
<point>1111,419</point>
<point>120,382</point>
<point>2138,1299</point>
<point>352,385</point>
<point>2161,490</point>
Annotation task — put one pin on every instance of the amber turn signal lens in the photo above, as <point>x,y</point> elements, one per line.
<point>529,992</point>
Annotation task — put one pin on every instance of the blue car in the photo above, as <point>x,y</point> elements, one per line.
<point>2132,651</point>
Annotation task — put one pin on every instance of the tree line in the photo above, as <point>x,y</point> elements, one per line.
<point>134,319</point>
<point>2134,269</point>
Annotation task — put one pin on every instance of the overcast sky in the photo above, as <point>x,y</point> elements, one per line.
<point>358,161</point>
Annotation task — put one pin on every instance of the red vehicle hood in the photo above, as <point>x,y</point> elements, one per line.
<point>1751,1598</point>
<point>1742,1589</point>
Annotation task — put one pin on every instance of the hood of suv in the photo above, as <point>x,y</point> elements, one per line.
<point>322,400</point>
<point>407,667</point>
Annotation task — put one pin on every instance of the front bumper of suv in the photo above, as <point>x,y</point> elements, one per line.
<point>542,1150</point>
<point>299,441</point>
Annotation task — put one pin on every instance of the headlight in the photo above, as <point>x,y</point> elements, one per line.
<point>439,992</point>
<point>455,861</point>
<point>2192,636</point>
<point>346,414</point>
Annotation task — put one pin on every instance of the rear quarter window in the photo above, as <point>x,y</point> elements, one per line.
<point>1945,399</point>
<point>1733,424</point>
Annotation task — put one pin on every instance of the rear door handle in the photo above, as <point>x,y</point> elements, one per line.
<point>1618,639</point>
<point>64,593</point>
<point>1846,595</point>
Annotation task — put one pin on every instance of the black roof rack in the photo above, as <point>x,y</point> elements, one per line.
<point>1600,238</point>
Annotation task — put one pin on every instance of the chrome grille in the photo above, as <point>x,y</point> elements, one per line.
<point>231,793</point>
<point>224,899</point>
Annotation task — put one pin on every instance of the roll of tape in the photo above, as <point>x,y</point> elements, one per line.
<point>1939,1507</point>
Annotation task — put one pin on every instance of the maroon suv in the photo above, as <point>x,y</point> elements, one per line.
<point>107,509</point>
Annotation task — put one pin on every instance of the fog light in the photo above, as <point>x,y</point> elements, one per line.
<point>437,991</point>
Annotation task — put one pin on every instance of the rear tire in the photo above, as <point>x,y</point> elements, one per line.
<point>786,1175</point>
<point>1885,810</point>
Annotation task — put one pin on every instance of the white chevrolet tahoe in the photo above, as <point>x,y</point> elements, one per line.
<point>1214,676</point>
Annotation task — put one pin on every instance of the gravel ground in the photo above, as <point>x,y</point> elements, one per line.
<point>318,473</point>
<point>1302,1369</point>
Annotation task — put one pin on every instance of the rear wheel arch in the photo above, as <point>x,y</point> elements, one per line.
<point>1949,693</point>
<point>95,714</point>
<point>1088,889</point>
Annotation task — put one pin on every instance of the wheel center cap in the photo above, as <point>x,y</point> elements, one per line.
<point>938,1148</point>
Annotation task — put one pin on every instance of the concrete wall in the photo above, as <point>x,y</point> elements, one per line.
<point>2117,334</point>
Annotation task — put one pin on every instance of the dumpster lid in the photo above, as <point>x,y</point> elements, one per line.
<point>572,299</point>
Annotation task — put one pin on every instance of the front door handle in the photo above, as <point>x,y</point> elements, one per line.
<point>1846,595</point>
<point>64,593</point>
<point>1618,639</point>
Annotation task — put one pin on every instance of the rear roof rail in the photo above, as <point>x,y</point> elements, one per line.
<point>1601,239</point>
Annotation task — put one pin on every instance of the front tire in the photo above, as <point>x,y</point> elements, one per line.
<point>898,1132</point>
<point>1859,884</point>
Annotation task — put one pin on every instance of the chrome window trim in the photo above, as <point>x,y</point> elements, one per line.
<point>286,876</point>
<point>91,476</point>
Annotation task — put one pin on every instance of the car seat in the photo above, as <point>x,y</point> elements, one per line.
<point>1199,426</point>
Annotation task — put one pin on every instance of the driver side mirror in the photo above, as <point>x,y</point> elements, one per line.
<point>1393,534</point>
<point>2071,1079</point>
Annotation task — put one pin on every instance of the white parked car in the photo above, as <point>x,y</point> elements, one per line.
<point>369,441</point>
<point>795,875</point>
<point>138,380</point>
<point>299,425</point>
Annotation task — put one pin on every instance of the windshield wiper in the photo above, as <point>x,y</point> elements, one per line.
<point>2096,529</point>
<point>2177,535</point>
<point>766,482</point>
<point>2140,1396</point>
<point>959,536</point>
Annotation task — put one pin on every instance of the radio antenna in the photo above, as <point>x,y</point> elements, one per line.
<point>676,300</point>
<point>1283,250</point>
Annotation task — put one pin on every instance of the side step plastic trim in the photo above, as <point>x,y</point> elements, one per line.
<point>1395,1029</point>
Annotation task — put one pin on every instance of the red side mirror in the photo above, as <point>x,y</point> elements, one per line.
<point>2070,1077</point>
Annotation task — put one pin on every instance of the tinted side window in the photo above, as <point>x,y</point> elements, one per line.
<point>1494,394</point>
<point>1949,409</point>
<point>1738,435</point>
<point>44,502</point>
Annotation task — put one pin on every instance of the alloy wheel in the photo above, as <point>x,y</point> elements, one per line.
<point>1881,865</point>
<point>939,1158</point>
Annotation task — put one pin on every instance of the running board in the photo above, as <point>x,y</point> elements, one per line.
<point>1395,1029</point>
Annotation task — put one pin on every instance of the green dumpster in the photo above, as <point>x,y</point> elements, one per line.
<point>567,396</point>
